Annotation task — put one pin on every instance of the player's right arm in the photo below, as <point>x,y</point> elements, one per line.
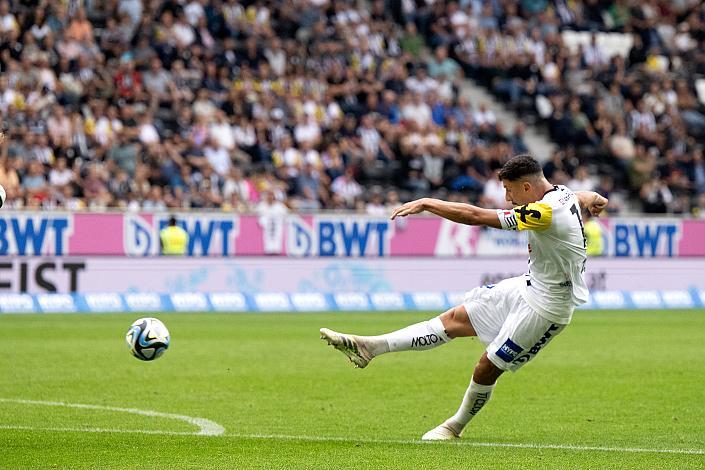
<point>593,202</point>
<point>455,211</point>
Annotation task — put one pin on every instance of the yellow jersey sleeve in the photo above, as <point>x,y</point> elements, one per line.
<point>534,216</point>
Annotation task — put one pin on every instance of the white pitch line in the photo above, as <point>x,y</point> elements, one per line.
<point>206,427</point>
<point>463,443</point>
<point>13,427</point>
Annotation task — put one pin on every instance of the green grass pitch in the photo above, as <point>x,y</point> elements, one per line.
<point>617,386</point>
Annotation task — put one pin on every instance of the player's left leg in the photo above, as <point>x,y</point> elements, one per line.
<point>421,336</point>
<point>482,384</point>
<point>523,335</point>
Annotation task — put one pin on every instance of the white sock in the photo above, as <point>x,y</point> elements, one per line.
<point>476,396</point>
<point>418,337</point>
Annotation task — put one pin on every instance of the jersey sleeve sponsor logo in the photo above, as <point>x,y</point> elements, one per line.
<point>534,216</point>
<point>507,219</point>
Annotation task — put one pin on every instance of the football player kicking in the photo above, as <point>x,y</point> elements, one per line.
<point>517,317</point>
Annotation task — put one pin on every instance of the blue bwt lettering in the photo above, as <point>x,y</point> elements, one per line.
<point>351,239</point>
<point>201,234</point>
<point>644,240</point>
<point>30,235</point>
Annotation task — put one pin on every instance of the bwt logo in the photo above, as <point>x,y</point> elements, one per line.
<point>35,234</point>
<point>208,235</point>
<point>537,347</point>
<point>646,239</point>
<point>342,237</point>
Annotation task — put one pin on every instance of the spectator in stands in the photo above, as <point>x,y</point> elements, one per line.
<point>699,208</point>
<point>273,90</point>
<point>441,64</point>
<point>271,219</point>
<point>346,187</point>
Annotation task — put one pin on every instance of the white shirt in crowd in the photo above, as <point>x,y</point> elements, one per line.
<point>645,121</point>
<point>421,113</point>
<point>421,86</point>
<point>60,177</point>
<point>236,186</point>
<point>194,11</point>
<point>219,159</point>
<point>307,132</point>
<point>346,188</point>
<point>484,117</point>
<point>149,134</point>
<point>184,33</point>
<point>105,129</point>
<point>370,139</point>
<point>223,134</point>
<point>245,135</point>
<point>8,23</point>
<point>582,184</point>
<point>493,190</point>
<point>277,60</point>
<point>377,210</point>
<point>594,56</point>
<point>271,219</point>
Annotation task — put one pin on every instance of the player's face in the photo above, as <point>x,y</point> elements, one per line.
<point>518,192</point>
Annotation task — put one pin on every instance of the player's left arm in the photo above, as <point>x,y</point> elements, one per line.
<point>592,201</point>
<point>455,211</point>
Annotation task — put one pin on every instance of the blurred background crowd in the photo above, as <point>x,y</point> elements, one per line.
<point>320,104</point>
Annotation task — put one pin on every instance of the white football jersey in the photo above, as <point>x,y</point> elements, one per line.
<point>555,283</point>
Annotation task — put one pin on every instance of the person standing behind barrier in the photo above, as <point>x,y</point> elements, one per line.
<point>593,235</point>
<point>271,217</point>
<point>174,239</point>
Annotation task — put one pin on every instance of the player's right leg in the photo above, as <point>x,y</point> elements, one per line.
<point>421,336</point>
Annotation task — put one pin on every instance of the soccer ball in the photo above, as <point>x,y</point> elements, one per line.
<point>147,339</point>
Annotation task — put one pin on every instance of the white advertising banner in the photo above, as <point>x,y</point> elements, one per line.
<point>253,275</point>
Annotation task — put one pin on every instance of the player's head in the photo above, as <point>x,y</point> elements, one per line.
<point>172,221</point>
<point>523,180</point>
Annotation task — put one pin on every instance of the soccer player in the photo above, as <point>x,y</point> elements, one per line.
<point>517,317</point>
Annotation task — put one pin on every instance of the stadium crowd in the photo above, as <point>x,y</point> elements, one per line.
<point>319,104</point>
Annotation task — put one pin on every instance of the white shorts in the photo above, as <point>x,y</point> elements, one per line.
<point>513,332</point>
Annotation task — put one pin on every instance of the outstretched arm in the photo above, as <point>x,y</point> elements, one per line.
<point>592,201</point>
<point>457,212</point>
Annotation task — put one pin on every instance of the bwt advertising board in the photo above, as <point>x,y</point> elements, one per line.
<point>351,236</point>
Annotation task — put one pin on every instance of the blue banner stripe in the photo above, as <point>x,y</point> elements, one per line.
<point>305,302</point>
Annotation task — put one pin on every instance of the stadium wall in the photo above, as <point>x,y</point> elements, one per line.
<point>321,235</point>
<point>254,275</point>
<point>106,284</point>
<point>309,302</point>
<point>98,262</point>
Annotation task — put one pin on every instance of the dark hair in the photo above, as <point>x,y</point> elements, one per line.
<point>172,221</point>
<point>519,167</point>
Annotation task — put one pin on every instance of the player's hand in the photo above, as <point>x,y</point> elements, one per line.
<point>598,205</point>
<point>413,207</point>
